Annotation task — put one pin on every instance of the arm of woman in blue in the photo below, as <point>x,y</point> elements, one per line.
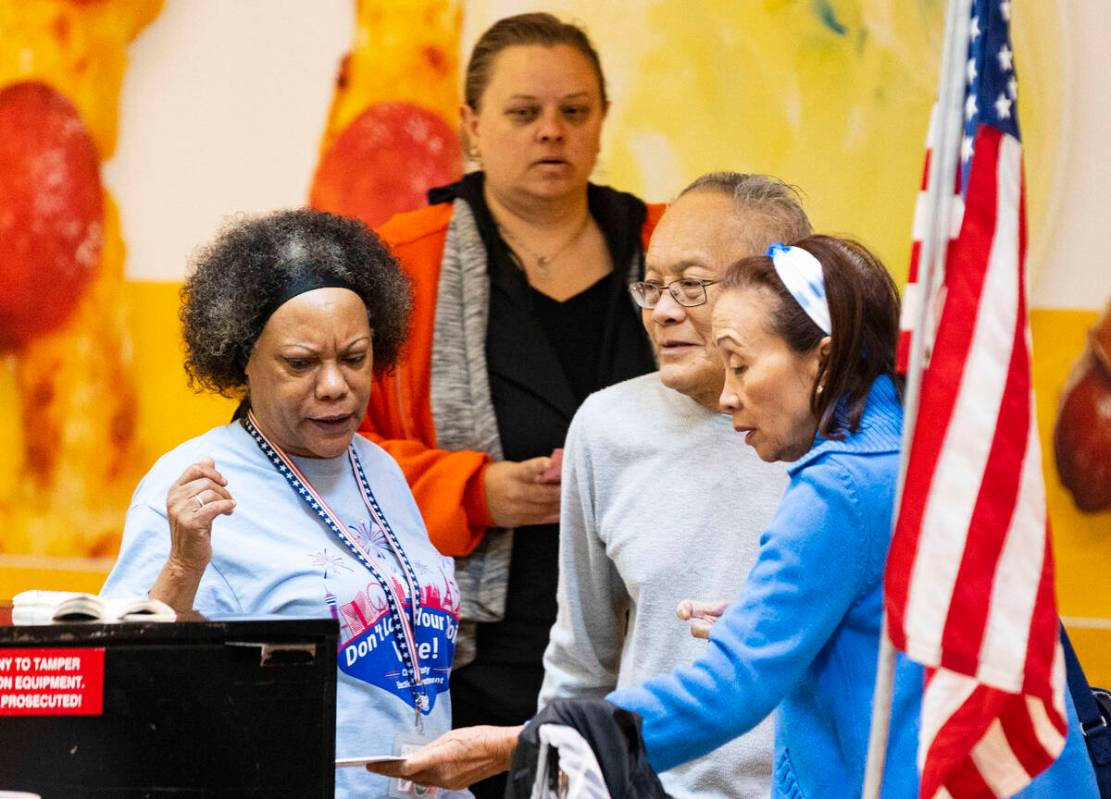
<point>821,556</point>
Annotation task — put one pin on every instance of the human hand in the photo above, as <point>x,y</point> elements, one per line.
<point>192,503</point>
<point>554,472</point>
<point>456,759</point>
<point>517,494</point>
<point>701,615</point>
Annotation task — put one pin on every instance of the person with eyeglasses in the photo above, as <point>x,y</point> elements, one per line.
<point>650,516</point>
<point>660,501</point>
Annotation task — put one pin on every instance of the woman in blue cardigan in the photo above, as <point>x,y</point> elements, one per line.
<point>808,337</point>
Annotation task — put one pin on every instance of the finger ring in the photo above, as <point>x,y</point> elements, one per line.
<point>198,500</point>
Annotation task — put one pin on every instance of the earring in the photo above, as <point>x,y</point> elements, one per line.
<point>818,390</point>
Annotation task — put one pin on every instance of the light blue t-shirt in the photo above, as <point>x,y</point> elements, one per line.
<point>273,555</point>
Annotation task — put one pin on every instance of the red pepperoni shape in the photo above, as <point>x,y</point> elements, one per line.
<point>51,211</point>
<point>385,161</point>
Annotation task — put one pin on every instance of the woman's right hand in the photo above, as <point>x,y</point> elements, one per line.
<point>516,495</point>
<point>192,503</point>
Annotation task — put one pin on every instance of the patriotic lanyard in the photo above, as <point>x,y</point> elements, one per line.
<point>407,643</point>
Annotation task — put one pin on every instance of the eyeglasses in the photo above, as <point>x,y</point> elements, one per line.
<point>688,292</point>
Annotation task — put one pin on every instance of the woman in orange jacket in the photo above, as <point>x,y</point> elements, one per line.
<point>521,310</point>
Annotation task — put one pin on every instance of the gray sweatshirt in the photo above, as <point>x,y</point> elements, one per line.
<point>662,501</point>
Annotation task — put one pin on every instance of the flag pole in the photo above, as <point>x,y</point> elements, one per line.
<point>946,126</point>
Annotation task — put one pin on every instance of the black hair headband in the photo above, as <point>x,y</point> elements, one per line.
<point>305,280</point>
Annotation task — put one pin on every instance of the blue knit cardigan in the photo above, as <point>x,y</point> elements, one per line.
<point>803,636</point>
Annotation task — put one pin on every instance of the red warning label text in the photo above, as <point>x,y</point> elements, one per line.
<point>51,682</point>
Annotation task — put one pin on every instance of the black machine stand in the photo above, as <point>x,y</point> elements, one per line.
<point>225,708</point>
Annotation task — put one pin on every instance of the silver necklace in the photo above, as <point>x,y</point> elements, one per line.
<point>542,261</point>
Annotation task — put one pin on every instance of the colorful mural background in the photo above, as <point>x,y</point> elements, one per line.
<point>234,107</point>
<point>67,380</point>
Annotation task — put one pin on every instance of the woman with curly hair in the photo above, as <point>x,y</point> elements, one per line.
<point>285,510</point>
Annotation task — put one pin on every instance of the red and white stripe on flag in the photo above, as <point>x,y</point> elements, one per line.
<point>913,293</point>
<point>969,582</point>
<point>912,299</point>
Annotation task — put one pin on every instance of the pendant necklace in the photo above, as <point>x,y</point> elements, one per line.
<point>542,261</point>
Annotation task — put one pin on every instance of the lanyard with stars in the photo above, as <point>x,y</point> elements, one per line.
<point>407,644</point>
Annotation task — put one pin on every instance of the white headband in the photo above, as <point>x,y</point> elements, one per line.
<point>801,273</point>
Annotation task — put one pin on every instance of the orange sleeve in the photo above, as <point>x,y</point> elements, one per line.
<point>447,485</point>
<point>653,212</point>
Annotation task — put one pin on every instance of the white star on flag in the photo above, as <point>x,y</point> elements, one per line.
<point>1003,107</point>
<point>1012,88</point>
<point>972,73</point>
<point>974,29</point>
<point>1005,9</point>
<point>1006,58</point>
<point>970,108</point>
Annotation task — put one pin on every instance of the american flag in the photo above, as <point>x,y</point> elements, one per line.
<point>969,583</point>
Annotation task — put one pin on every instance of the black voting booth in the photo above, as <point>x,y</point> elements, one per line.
<point>189,709</point>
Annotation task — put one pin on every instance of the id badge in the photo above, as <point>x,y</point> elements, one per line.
<point>401,788</point>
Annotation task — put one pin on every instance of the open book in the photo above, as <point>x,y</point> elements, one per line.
<point>49,607</point>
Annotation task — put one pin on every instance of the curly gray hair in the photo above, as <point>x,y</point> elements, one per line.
<point>238,279</point>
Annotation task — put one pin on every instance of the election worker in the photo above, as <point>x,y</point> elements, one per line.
<point>625,564</point>
<point>285,510</point>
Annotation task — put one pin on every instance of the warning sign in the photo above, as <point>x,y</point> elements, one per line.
<point>51,682</point>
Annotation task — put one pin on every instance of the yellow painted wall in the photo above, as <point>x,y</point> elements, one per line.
<point>1081,542</point>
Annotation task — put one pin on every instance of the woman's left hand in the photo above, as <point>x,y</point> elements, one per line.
<point>701,615</point>
<point>456,759</point>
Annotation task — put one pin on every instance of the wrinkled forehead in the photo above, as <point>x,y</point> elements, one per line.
<point>684,265</point>
<point>701,231</point>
